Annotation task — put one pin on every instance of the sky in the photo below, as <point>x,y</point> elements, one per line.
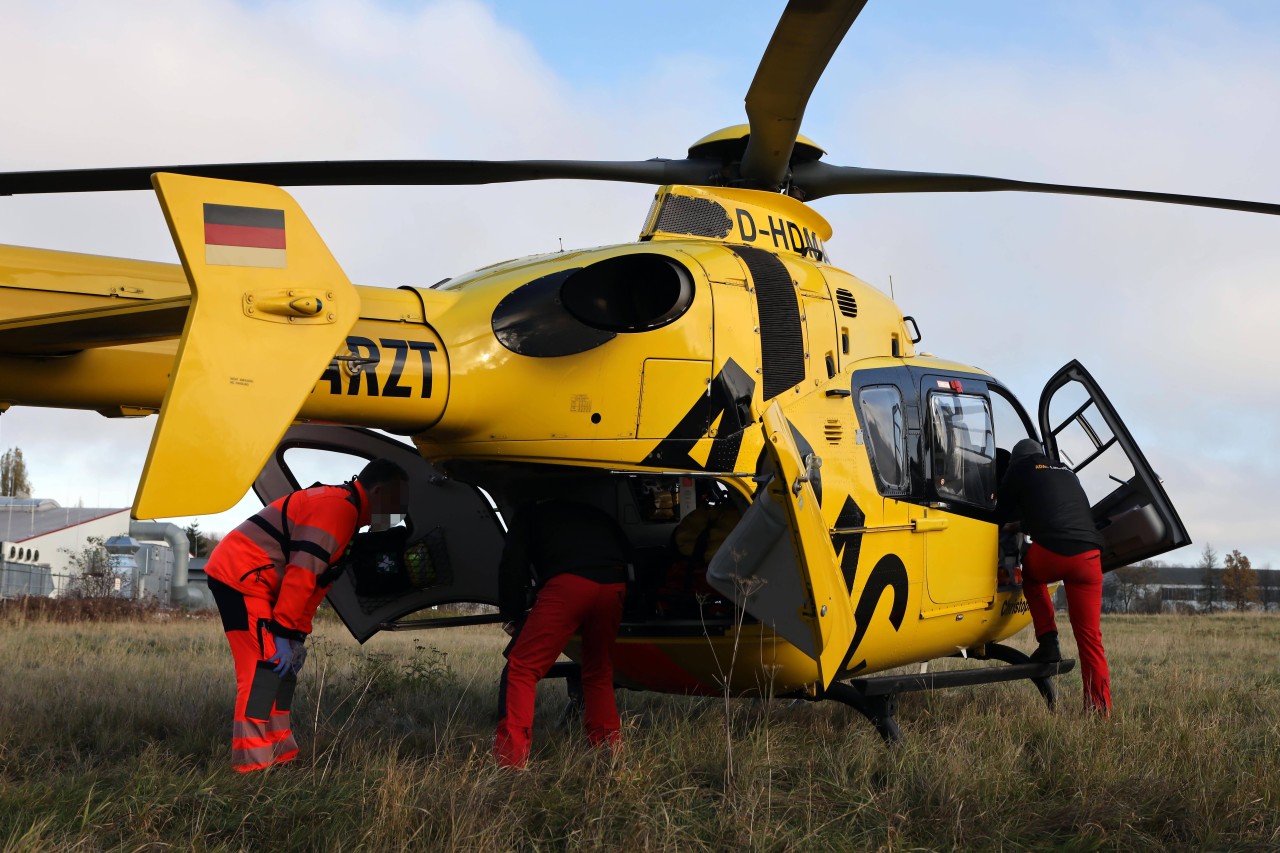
<point>1173,309</point>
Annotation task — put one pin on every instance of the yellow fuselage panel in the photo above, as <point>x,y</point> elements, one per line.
<point>751,659</point>
<point>954,552</point>
<point>657,416</point>
<point>134,376</point>
<point>392,376</point>
<point>498,395</point>
<point>760,220</point>
<point>41,281</point>
<point>402,384</point>
<point>876,330</point>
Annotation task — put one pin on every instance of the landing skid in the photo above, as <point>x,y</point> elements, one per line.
<point>876,698</point>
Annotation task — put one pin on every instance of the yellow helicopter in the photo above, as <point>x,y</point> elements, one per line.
<point>722,355</point>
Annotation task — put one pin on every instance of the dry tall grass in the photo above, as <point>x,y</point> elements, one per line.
<point>115,736</point>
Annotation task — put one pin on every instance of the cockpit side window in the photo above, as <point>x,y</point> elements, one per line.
<point>963,449</point>
<point>884,423</point>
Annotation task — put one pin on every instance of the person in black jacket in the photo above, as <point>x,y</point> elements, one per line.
<point>577,556</point>
<point>1050,504</point>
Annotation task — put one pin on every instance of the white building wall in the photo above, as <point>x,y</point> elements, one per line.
<point>75,539</point>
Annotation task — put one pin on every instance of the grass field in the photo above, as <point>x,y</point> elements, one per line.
<point>115,736</point>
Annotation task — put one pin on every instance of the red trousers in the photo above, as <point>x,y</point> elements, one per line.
<point>565,604</point>
<point>1082,574</point>
<point>260,732</point>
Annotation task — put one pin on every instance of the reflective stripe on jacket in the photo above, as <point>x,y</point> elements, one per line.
<point>283,552</point>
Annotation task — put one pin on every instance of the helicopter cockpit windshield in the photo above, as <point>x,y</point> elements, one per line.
<point>964,449</point>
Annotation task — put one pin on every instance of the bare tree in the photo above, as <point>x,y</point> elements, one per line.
<point>1110,603</point>
<point>94,576</point>
<point>1211,589</point>
<point>1151,601</point>
<point>1130,583</point>
<point>14,482</point>
<point>1239,581</point>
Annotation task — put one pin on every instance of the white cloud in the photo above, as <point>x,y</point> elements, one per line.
<point>1172,308</point>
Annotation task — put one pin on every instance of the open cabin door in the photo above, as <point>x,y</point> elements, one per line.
<point>454,522</point>
<point>1082,430</point>
<point>778,563</point>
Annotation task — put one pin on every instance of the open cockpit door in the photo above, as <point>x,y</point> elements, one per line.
<point>1130,507</point>
<point>778,563</point>
<point>460,535</point>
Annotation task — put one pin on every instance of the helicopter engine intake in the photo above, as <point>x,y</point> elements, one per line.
<point>572,311</point>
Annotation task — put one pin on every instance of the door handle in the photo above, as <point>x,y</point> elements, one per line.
<point>812,462</point>
<point>928,525</point>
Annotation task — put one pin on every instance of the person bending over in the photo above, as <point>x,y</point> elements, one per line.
<point>576,555</point>
<point>268,576</point>
<point>1050,505</point>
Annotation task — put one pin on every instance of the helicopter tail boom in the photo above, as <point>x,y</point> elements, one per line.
<point>256,313</point>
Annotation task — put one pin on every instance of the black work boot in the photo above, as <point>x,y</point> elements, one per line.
<point>1048,652</point>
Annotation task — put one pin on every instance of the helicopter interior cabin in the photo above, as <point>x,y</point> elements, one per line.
<point>673,521</point>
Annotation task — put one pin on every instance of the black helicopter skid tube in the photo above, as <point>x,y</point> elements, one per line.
<point>442,622</point>
<point>876,697</point>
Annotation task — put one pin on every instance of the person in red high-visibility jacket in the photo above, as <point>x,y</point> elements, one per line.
<point>268,576</point>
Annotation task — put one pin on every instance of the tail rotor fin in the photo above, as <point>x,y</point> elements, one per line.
<point>269,308</point>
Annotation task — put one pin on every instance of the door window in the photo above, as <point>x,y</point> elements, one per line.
<point>309,465</point>
<point>884,423</point>
<point>1087,445</point>
<point>963,449</point>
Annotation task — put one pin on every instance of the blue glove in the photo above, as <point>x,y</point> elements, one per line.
<point>299,656</point>
<point>283,658</point>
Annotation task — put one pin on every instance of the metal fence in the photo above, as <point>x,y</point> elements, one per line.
<point>18,579</point>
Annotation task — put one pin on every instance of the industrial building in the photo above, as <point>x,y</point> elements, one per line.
<point>39,539</point>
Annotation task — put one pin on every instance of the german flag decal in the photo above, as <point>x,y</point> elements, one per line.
<point>243,236</point>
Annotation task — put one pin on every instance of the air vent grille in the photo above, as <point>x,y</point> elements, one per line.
<point>697,216</point>
<point>848,305</point>
<point>781,338</point>
<point>834,432</point>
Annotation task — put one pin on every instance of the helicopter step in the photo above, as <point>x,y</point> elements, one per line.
<point>876,698</point>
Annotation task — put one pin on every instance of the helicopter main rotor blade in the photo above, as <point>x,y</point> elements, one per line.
<point>370,173</point>
<point>818,180</point>
<point>802,44</point>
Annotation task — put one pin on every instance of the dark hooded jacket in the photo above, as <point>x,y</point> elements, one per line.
<point>1049,501</point>
<point>554,537</point>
